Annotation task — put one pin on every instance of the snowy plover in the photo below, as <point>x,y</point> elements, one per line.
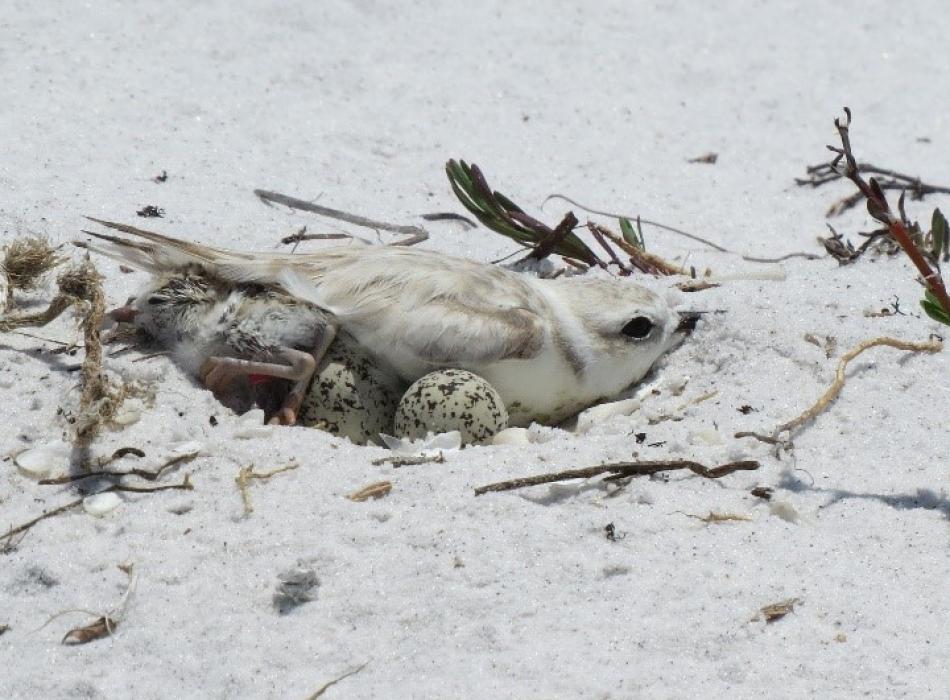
<point>550,347</point>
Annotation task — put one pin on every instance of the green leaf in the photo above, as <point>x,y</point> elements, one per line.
<point>630,234</point>
<point>494,210</point>
<point>933,308</point>
<point>940,233</point>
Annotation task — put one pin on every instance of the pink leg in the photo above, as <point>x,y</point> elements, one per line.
<point>218,372</point>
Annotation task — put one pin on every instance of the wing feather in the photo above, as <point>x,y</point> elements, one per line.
<point>407,304</point>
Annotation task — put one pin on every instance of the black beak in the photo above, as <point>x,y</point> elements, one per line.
<point>688,320</point>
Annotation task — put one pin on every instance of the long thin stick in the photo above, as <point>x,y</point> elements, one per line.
<point>417,234</point>
<point>620,469</point>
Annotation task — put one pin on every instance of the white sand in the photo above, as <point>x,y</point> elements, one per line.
<point>521,594</point>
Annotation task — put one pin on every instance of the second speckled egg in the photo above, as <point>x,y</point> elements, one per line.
<point>451,399</point>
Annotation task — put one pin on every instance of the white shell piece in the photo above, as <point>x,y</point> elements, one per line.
<point>602,412</point>
<point>675,385</point>
<point>101,503</point>
<point>785,510</point>
<point>183,449</point>
<point>705,437</point>
<point>127,416</point>
<point>428,446</point>
<point>512,436</point>
<point>251,425</point>
<point>40,461</point>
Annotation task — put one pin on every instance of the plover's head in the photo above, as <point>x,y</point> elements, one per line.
<point>624,328</point>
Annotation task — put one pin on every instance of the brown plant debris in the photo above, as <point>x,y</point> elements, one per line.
<point>776,611</point>
<point>832,392</point>
<point>105,624</point>
<point>937,299</point>
<point>837,385</point>
<point>103,627</point>
<point>639,257</point>
<point>374,490</point>
<point>888,179</point>
<point>322,689</point>
<point>708,158</point>
<point>4,629</point>
<point>24,263</point>
<point>619,470</point>
<point>829,344</point>
<point>717,517</point>
<point>247,474</point>
<point>412,461</point>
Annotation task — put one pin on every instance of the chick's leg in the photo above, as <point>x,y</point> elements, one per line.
<point>287,415</point>
<point>218,372</point>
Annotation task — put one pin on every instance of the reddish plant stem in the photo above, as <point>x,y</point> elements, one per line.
<point>881,210</point>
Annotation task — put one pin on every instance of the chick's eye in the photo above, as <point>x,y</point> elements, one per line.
<point>638,328</point>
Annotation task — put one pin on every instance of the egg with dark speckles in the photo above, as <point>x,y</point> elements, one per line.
<point>350,395</point>
<point>451,399</point>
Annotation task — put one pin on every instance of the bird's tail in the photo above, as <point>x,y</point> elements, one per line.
<point>157,253</point>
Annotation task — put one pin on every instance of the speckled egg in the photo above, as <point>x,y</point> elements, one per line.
<point>350,395</point>
<point>451,399</point>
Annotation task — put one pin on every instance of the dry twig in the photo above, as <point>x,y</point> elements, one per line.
<point>185,485</point>
<point>247,474</point>
<point>322,689</point>
<point>717,517</point>
<point>619,470</point>
<point>148,475</point>
<point>416,234</point>
<point>888,179</point>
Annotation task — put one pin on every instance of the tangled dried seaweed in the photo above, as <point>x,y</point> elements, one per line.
<point>80,287</point>
<point>25,261</point>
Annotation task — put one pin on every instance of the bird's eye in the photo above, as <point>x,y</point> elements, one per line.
<point>638,328</point>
